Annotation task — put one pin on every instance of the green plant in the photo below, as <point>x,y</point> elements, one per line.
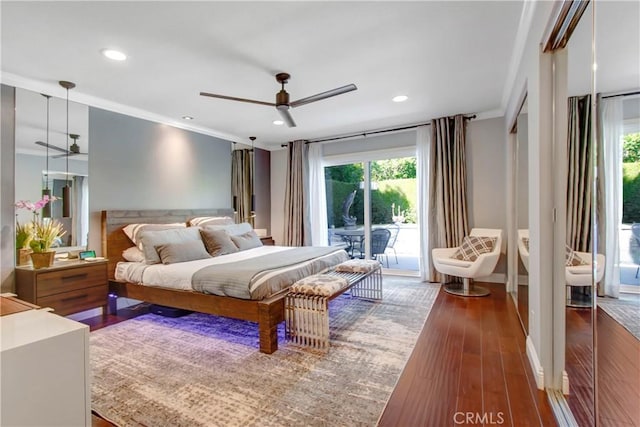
<point>631,192</point>
<point>631,148</point>
<point>24,234</point>
<point>45,232</point>
<point>40,233</point>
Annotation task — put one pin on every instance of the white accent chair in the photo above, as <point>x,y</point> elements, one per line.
<point>580,275</point>
<point>469,270</point>
<point>522,248</point>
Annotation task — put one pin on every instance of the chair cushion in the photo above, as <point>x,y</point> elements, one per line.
<point>573,259</point>
<point>319,284</point>
<point>358,266</point>
<point>474,246</point>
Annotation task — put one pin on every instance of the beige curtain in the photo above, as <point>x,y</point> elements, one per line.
<point>448,219</point>
<point>241,184</point>
<point>297,229</point>
<point>580,175</point>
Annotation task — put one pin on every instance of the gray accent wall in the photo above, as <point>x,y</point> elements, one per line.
<point>139,164</point>
<point>7,192</point>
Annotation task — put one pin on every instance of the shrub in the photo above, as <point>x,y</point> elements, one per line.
<point>631,192</point>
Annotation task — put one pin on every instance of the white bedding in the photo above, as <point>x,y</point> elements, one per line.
<point>178,275</point>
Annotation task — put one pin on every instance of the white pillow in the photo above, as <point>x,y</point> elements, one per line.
<point>151,239</point>
<point>232,229</point>
<point>202,221</point>
<point>133,231</point>
<point>133,254</point>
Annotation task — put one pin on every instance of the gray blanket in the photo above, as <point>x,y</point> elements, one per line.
<point>262,276</point>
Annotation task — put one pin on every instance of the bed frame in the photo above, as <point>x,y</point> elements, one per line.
<point>268,313</point>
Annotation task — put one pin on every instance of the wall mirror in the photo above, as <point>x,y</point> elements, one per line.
<point>37,167</point>
<point>576,260</point>
<point>522,214</point>
<point>617,116</point>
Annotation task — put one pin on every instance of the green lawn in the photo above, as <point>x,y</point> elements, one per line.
<point>630,192</point>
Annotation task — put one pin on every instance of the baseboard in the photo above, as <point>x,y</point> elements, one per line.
<point>565,383</point>
<point>536,367</point>
<point>630,289</point>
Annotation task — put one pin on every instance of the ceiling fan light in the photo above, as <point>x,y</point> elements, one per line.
<point>187,118</point>
<point>278,122</point>
<point>114,55</point>
<point>400,98</point>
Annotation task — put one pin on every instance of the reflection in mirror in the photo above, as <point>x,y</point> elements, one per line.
<point>38,167</point>
<point>522,214</point>
<point>618,205</point>
<point>579,360</point>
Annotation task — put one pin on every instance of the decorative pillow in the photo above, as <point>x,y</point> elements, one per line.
<point>218,242</point>
<point>133,254</point>
<point>232,229</point>
<point>248,240</point>
<point>525,242</point>
<point>133,231</point>
<point>474,246</point>
<point>319,284</point>
<point>170,253</point>
<point>151,239</point>
<point>573,259</point>
<point>202,221</point>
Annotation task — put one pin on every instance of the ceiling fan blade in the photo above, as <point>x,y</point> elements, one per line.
<point>233,98</point>
<point>68,155</point>
<point>284,112</point>
<point>323,95</point>
<point>53,147</point>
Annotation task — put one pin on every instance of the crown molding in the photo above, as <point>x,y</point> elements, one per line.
<point>54,89</point>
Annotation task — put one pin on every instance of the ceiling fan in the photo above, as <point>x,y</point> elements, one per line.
<point>282,98</point>
<point>74,149</point>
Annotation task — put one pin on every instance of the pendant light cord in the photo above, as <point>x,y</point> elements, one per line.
<point>67,156</point>
<point>46,175</point>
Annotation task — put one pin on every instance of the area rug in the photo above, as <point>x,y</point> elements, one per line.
<point>624,311</point>
<point>202,370</point>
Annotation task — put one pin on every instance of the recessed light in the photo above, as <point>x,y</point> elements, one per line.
<point>400,98</point>
<point>187,117</point>
<point>278,122</point>
<point>116,55</point>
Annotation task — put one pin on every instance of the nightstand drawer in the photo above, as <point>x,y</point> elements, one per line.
<point>56,282</point>
<point>77,300</point>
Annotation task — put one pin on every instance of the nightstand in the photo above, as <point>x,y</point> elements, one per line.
<point>267,241</point>
<point>67,287</point>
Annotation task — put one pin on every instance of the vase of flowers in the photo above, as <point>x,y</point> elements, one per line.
<point>40,234</point>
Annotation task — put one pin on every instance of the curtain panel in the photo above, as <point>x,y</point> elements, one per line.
<point>317,197</point>
<point>609,187</point>
<point>448,219</point>
<point>297,229</point>
<point>241,184</point>
<point>423,149</point>
<point>580,174</point>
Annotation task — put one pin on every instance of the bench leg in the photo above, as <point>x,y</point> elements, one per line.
<point>307,320</point>
<point>369,287</point>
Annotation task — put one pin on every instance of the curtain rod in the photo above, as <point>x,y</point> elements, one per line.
<point>637,92</point>
<point>336,138</point>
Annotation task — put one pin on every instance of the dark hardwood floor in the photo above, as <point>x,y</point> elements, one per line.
<point>469,367</point>
<point>618,370</point>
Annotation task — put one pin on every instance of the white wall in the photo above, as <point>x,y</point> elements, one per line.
<point>278,188</point>
<point>534,76</point>
<point>138,164</point>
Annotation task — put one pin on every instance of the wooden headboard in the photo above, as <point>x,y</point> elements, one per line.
<point>114,241</point>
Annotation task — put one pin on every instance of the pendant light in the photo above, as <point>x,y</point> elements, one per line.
<point>66,190</point>
<point>253,180</point>
<point>46,210</point>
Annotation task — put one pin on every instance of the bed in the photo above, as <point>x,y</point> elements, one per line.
<point>263,305</point>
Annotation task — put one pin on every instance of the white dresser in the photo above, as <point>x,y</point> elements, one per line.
<point>44,370</point>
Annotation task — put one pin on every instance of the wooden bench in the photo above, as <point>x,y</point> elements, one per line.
<point>306,304</point>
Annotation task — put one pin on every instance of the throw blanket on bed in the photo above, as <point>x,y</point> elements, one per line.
<point>260,277</point>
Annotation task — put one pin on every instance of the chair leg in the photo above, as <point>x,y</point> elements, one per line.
<point>468,289</point>
<point>395,254</point>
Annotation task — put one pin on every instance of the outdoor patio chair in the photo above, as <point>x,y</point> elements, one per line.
<point>395,230</point>
<point>635,232</point>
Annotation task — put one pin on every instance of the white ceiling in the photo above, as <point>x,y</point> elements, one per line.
<point>448,57</point>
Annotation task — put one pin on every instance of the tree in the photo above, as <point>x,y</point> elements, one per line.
<point>631,148</point>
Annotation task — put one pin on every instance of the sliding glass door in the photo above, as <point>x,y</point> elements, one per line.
<point>371,211</point>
